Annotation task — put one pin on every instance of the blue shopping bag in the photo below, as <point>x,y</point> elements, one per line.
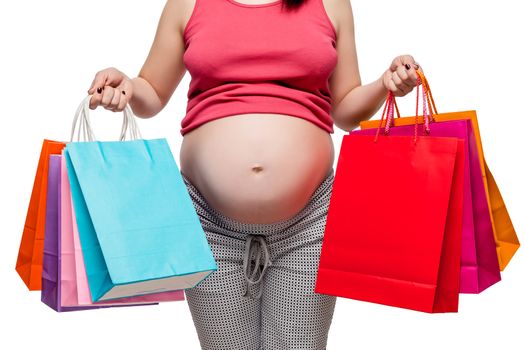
<point>138,228</point>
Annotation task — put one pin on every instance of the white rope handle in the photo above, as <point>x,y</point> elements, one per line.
<point>83,123</point>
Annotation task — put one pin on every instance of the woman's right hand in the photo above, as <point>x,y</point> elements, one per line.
<point>111,89</point>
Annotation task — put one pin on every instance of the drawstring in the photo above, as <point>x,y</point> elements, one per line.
<point>256,241</point>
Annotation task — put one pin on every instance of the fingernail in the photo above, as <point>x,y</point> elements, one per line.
<point>99,90</point>
<point>407,66</point>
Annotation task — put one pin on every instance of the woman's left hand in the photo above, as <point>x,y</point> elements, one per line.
<point>401,77</point>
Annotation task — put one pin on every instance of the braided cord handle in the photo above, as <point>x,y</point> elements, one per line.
<point>391,106</point>
<point>428,97</point>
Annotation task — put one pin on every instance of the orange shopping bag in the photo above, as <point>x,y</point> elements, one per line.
<point>31,251</point>
<point>505,236</point>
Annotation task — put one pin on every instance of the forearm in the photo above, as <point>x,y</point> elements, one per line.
<point>360,104</point>
<point>144,102</point>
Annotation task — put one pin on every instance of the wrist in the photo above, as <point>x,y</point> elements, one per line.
<point>382,84</point>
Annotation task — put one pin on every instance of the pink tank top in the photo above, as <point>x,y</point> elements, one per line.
<point>258,59</point>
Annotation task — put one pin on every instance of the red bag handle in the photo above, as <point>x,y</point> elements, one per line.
<point>428,103</point>
<point>429,97</point>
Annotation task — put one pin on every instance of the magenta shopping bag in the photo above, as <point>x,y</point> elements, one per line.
<point>479,262</point>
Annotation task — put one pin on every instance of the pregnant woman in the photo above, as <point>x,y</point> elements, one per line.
<point>269,79</point>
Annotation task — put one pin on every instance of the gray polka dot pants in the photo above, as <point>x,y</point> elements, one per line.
<point>262,294</point>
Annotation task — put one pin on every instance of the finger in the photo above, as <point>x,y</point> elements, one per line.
<point>399,83</point>
<point>110,76</point>
<point>407,59</point>
<point>391,86</point>
<point>115,101</point>
<point>396,62</point>
<point>402,90</point>
<point>405,89</point>
<point>96,98</point>
<point>412,77</point>
<point>98,81</point>
<point>114,77</point>
<point>122,104</point>
<point>401,61</point>
<point>408,63</point>
<point>107,96</point>
<point>396,79</point>
<point>402,72</point>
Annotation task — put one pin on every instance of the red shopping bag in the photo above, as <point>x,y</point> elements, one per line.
<point>31,251</point>
<point>393,230</point>
<point>505,236</point>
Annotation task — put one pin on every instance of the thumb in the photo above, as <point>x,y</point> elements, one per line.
<point>107,77</point>
<point>397,61</point>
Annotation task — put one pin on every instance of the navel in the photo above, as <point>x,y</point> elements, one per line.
<point>257,169</point>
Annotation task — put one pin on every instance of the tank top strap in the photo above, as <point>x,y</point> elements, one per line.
<point>319,11</point>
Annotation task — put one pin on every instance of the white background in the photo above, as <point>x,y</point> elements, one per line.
<point>50,51</point>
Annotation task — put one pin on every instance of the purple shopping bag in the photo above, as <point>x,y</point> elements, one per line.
<point>479,262</point>
<point>51,269</point>
<point>51,262</point>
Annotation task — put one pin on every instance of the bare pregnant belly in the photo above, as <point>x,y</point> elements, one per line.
<point>257,168</point>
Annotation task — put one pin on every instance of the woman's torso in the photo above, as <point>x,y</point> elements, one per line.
<point>257,168</point>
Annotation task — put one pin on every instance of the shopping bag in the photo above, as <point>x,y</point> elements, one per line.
<point>75,288</point>
<point>479,262</point>
<point>393,230</point>
<point>69,295</point>
<point>505,236</point>
<point>31,250</point>
<point>51,266</point>
<point>138,228</point>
